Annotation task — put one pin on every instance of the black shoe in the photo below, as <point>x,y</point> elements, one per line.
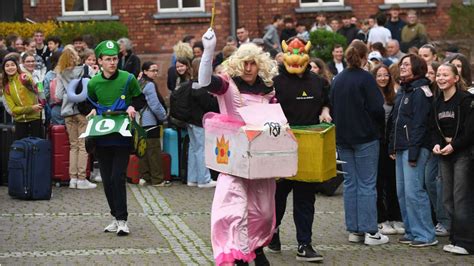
<point>260,259</point>
<point>307,253</point>
<point>241,263</point>
<point>275,246</point>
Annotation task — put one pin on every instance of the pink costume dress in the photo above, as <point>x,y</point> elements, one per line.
<point>243,210</point>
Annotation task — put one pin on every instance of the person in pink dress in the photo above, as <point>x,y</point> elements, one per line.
<point>243,210</point>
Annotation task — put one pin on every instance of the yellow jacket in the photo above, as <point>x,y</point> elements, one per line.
<point>20,100</point>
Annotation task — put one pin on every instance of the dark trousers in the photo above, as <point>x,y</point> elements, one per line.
<point>28,129</point>
<point>113,161</point>
<point>388,208</point>
<point>458,197</point>
<point>304,196</point>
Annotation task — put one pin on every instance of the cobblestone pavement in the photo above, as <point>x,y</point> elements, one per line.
<point>170,226</point>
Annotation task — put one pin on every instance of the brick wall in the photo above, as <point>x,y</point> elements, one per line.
<point>157,36</point>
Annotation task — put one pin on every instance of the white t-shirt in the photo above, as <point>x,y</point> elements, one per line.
<point>379,34</point>
<point>339,67</point>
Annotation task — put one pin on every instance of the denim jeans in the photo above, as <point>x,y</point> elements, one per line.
<point>197,171</point>
<point>458,196</point>
<point>434,187</point>
<point>413,197</point>
<point>360,194</point>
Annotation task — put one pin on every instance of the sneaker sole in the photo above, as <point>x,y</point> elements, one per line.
<point>275,251</point>
<point>122,233</point>
<point>309,259</point>
<point>424,245</point>
<point>108,231</point>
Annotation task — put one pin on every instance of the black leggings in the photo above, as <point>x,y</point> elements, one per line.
<point>28,129</point>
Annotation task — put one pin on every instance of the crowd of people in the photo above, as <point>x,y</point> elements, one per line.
<point>403,112</point>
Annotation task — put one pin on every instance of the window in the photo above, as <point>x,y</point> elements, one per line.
<point>180,5</point>
<point>86,7</point>
<point>405,1</point>
<point>310,3</point>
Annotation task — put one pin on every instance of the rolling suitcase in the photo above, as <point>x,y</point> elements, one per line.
<point>29,169</point>
<point>133,173</point>
<point>60,149</point>
<point>166,166</point>
<point>172,144</point>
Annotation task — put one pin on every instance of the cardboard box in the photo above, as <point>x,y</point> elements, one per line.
<point>260,146</point>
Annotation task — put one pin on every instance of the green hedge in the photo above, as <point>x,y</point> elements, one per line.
<point>323,42</point>
<point>462,21</point>
<point>100,31</point>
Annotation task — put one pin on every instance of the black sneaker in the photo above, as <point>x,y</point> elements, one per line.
<point>307,253</point>
<point>275,245</point>
<point>261,259</point>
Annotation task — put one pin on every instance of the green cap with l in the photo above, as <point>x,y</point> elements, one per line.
<point>106,48</point>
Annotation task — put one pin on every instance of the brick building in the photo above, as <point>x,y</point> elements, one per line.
<point>155,26</point>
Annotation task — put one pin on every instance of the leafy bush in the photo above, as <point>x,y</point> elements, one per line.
<point>110,30</point>
<point>323,42</point>
<point>462,21</point>
<point>26,30</point>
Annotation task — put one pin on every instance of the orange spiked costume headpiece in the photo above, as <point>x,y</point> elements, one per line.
<point>295,57</point>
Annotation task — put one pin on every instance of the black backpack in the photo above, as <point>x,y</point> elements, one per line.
<point>83,107</point>
<point>180,104</point>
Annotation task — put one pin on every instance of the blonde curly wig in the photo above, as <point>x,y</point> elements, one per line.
<point>183,49</point>
<point>267,67</point>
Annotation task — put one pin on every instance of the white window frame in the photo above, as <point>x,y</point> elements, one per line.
<point>181,8</point>
<point>321,3</point>
<point>405,1</point>
<point>86,9</point>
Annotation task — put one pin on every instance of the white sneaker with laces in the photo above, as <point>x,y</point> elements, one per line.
<point>112,227</point>
<point>142,182</point>
<point>73,183</point>
<point>356,237</point>
<point>85,184</point>
<point>122,228</point>
<point>192,184</point>
<point>440,230</point>
<point>399,227</point>
<point>448,248</point>
<point>386,228</point>
<point>211,183</point>
<point>375,239</point>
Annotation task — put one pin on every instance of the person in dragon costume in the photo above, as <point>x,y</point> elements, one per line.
<point>304,98</point>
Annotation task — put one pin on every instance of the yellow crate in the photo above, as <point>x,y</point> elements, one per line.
<point>316,152</point>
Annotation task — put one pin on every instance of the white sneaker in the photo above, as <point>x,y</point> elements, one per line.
<point>399,227</point>
<point>73,183</point>
<point>448,248</point>
<point>375,239</point>
<point>122,228</point>
<point>440,230</point>
<point>96,177</point>
<point>356,237</point>
<point>142,182</point>
<point>85,184</point>
<point>192,184</point>
<point>112,227</point>
<point>459,250</point>
<point>211,183</point>
<point>386,228</point>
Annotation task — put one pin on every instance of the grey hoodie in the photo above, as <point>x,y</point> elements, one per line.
<point>271,37</point>
<point>67,108</point>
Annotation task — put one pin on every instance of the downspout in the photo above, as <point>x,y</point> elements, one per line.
<point>233,17</point>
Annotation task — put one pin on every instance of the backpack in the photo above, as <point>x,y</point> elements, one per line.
<point>83,107</point>
<point>180,104</point>
<point>52,92</point>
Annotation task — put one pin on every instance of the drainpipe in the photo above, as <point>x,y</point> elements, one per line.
<point>233,17</point>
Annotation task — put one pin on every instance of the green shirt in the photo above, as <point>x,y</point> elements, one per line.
<point>106,91</point>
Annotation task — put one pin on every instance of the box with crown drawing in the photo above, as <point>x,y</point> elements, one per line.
<point>260,146</point>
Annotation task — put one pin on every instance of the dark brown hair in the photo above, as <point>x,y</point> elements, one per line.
<point>355,53</point>
<point>418,66</point>
<point>460,85</point>
<point>466,68</point>
<point>323,69</point>
<point>389,90</point>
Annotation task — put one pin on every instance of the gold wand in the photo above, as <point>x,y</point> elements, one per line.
<point>213,13</point>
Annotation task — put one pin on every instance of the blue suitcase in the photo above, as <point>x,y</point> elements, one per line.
<point>29,169</point>
<point>171,145</point>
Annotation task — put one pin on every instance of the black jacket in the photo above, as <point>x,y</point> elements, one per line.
<point>410,119</point>
<point>464,114</point>
<point>302,98</point>
<point>349,32</point>
<point>131,63</point>
<point>202,102</point>
<point>332,66</point>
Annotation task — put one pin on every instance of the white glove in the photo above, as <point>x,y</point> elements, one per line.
<point>205,68</point>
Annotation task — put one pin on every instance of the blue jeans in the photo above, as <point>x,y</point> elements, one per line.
<point>434,187</point>
<point>197,171</point>
<point>413,197</point>
<point>360,193</point>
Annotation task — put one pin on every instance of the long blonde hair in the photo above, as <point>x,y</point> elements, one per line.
<point>267,67</point>
<point>68,59</point>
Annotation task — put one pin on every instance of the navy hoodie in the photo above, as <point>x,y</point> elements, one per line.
<point>357,107</point>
